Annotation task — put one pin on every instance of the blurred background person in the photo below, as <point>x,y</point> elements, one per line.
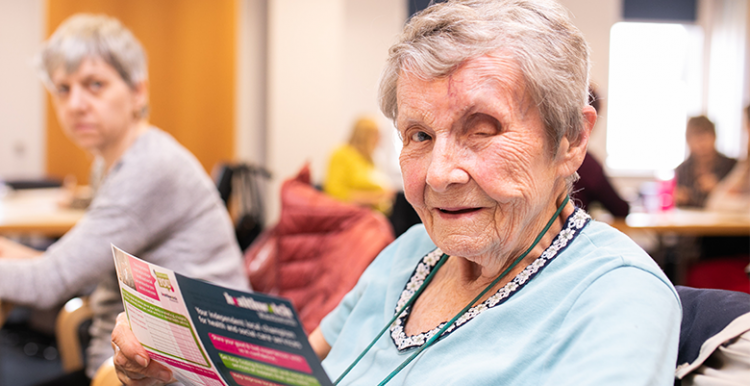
<point>593,186</point>
<point>352,175</point>
<point>698,175</point>
<point>733,193</point>
<point>151,196</point>
<point>725,260</point>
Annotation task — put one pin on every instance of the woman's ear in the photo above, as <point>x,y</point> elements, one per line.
<point>140,97</point>
<point>571,154</point>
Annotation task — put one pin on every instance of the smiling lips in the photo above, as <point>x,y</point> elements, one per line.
<point>457,210</point>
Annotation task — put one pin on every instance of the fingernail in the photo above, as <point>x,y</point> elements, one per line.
<point>141,360</point>
<point>165,376</point>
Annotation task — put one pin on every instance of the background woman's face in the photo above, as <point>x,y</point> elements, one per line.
<point>701,144</point>
<point>474,161</point>
<point>94,105</point>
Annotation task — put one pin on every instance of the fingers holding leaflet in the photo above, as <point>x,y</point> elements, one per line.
<point>132,362</point>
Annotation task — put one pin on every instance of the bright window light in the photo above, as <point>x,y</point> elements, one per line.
<point>653,87</point>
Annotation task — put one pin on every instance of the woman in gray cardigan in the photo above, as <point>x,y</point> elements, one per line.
<point>152,197</point>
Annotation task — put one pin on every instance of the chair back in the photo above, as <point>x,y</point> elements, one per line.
<point>714,337</point>
<point>241,187</point>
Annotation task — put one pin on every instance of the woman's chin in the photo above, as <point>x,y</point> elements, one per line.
<point>471,248</point>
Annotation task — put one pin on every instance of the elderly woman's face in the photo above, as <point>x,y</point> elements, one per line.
<point>474,161</point>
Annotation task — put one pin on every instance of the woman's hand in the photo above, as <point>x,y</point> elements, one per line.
<point>319,344</point>
<point>15,250</point>
<point>132,363</point>
<point>707,182</point>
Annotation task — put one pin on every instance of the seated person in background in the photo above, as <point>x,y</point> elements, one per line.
<point>733,192</point>
<point>698,175</point>
<point>352,176</point>
<point>506,282</point>
<point>153,198</point>
<point>593,185</point>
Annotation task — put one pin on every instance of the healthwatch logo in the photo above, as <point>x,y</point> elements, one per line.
<point>252,304</point>
<point>164,281</point>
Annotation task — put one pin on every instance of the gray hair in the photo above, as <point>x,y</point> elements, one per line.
<point>551,53</point>
<point>84,36</point>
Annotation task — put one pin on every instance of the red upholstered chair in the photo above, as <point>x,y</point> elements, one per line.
<point>317,251</point>
<point>720,273</point>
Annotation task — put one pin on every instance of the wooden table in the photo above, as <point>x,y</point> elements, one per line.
<point>5,309</point>
<point>682,222</point>
<point>36,211</point>
<point>687,222</point>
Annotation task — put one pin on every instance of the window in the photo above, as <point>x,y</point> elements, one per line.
<point>654,85</point>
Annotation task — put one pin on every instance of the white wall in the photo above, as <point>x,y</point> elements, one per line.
<point>594,19</point>
<point>371,28</point>
<point>305,44</point>
<point>250,119</point>
<point>324,60</point>
<point>22,107</point>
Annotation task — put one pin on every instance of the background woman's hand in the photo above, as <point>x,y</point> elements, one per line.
<point>15,250</point>
<point>707,182</point>
<point>132,363</point>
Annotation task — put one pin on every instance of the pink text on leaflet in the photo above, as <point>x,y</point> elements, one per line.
<point>261,354</point>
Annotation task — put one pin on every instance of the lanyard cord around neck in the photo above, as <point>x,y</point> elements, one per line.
<point>427,280</point>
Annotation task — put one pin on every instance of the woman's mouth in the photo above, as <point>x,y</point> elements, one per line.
<point>457,210</point>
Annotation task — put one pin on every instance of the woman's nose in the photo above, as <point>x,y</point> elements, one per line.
<point>445,168</point>
<point>77,99</point>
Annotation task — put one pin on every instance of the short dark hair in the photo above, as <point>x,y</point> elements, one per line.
<point>700,125</point>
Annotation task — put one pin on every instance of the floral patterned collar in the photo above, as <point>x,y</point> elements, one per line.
<point>573,227</point>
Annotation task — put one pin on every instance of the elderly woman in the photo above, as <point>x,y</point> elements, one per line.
<point>152,197</point>
<point>506,283</point>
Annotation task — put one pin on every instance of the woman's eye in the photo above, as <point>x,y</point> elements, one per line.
<point>62,89</point>
<point>481,126</point>
<point>483,133</point>
<point>420,136</point>
<point>96,85</point>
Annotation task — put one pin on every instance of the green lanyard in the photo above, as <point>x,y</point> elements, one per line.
<point>427,280</point>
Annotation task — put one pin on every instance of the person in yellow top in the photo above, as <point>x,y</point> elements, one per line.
<point>352,175</point>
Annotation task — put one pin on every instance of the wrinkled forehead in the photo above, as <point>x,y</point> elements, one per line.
<point>492,76</point>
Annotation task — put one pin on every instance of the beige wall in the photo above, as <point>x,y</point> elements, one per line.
<point>324,60</point>
<point>305,70</point>
<point>305,53</point>
<point>250,114</point>
<point>594,19</point>
<point>22,108</point>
